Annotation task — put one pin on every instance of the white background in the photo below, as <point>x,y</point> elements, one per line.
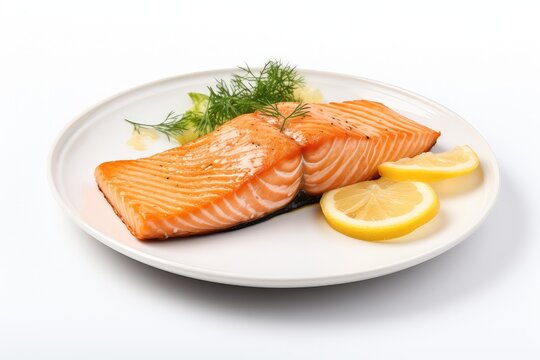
<point>64,295</point>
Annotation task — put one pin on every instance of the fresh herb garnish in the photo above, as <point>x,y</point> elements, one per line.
<point>244,93</point>
<point>273,110</point>
<point>173,125</point>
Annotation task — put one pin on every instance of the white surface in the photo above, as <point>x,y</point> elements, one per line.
<point>65,294</point>
<point>294,250</point>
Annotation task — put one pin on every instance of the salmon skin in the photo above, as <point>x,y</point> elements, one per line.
<point>300,200</point>
<point>249,169</point>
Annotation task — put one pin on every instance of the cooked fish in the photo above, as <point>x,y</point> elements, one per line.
<point>247,168</point>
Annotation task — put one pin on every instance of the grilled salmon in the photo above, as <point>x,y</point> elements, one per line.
<point>249,167</point>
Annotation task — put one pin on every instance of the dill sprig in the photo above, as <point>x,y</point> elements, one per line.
<point>246,92</point>
<point>173,125</point>
<point>249,91</point>
<point>273,111</point>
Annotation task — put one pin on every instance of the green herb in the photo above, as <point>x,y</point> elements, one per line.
<point>173,125</point>
<point>273,110</point>
<point>244,93</point>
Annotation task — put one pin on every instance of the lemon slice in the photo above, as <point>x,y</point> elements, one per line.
<point>432,167</point>
<point>379,209</point>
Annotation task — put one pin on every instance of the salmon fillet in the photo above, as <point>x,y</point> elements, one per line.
<point>248,168</point>
<point>344,143</point>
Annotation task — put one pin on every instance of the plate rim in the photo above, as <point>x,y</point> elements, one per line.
<point>257,281</point>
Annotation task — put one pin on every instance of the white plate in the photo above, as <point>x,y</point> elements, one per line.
<point>297,249</point>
